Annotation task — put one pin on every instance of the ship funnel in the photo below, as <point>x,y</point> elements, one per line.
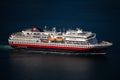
<point>36,29</point>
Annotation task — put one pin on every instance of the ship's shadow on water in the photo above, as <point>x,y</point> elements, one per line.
<point>31,64</point>
<point>93,56</point>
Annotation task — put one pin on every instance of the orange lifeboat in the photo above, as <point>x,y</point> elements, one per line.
<point>59,38</point>
<point>51,39</point>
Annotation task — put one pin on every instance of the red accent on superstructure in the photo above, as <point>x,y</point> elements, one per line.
<point>49,47</point>
<point>34,29</point>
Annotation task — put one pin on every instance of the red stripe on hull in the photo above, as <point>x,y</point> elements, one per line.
<point>49,47</point>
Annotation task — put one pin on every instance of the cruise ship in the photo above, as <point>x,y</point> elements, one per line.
<point>75,40</point>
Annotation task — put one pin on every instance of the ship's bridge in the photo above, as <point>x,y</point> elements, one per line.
<point>31,31</point>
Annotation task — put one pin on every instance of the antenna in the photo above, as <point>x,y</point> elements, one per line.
<point>54,29</point>
<point>63,29</point>
<point>60,29</point>
<point>45,28</point>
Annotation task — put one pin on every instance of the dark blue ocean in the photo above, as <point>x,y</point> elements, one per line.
<point>99,16</point>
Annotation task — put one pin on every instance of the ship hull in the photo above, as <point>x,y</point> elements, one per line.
<point>60,48</point>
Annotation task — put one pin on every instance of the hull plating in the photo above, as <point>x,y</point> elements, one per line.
<point>58,48</point>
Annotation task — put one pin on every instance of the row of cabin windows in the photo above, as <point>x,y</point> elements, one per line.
<point>75,37</point>
<point>80,43</point>
<point>36,34</point>
<point>70,45</point>
<point>54,44</point>
<point>44,37</point>
<point>23,38</point>
<point>29,41</point>
<point>64,45</point>
<point>23,42</point>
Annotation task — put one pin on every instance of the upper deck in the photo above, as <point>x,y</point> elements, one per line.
<point>69,35</point>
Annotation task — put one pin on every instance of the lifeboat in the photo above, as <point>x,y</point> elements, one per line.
<point>55,38</point>
<point>59,38</point>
